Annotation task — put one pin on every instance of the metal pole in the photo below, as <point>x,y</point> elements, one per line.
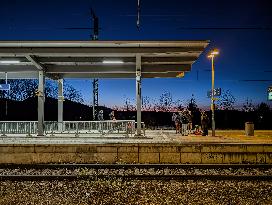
<point>95,81</point>
<point>41,104</point>
<point>138,94</point>
<point>212,99</point>
<point>60,104</point>
<point>95,98</point>
<point>7,96</point>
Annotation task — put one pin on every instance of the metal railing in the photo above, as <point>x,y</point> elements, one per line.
<point>126,127</point>
<point>91,127</point>
<point>20,127</point>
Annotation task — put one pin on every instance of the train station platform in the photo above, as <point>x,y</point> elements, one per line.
<point>152,136</point>
<point>163,146</point>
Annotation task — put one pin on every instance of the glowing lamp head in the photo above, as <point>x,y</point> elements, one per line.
<point>213,53</point>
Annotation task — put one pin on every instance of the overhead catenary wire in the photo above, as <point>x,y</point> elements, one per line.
<point>138,14</point>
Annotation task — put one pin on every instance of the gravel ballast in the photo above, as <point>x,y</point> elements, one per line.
<point>136,171</point>
<point>135,192</point>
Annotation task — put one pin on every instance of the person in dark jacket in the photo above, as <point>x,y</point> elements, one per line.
<point>190,121</point>
<point>176,120</point>
<point>100,116</point>
<point>204,123</point>
<point>112,116</point>
<point>184,122</point>
<point>113,125</point>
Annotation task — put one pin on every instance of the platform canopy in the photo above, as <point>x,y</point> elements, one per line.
<point>98,59</point>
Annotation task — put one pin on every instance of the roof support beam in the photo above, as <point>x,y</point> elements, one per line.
<point>105,51</point>
<point>20,75</point>
<point>34,75</point>
<point>116,68</point>
<point>33,60</point>
<point>93,60</point>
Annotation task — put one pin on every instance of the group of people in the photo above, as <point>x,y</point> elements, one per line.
<point>183,121</point>
<point>105,126</point>
<point>100,115</point>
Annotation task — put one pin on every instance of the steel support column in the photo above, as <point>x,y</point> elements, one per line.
<point>41,96</point>
<point>138,94</point>
<point>60,104</point>
<point>95,98</point>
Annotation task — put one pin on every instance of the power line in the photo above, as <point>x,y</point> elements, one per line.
<point>226,28</point>
<point>138,14</point>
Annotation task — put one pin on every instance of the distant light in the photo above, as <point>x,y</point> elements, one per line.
<point>9,61</point>
<point>113,62</point>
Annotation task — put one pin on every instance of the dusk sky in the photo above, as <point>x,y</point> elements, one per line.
<point>243,37</point>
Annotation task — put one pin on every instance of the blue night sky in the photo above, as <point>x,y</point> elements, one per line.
<point>243,66</point>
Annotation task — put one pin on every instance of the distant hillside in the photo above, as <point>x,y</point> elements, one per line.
<point>27,110</point>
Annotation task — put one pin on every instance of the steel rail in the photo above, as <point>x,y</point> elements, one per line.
<point>133,177</point>
<point>130,166</point>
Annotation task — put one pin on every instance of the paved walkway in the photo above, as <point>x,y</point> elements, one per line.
<point>159,136</point>
<point>228,136</point>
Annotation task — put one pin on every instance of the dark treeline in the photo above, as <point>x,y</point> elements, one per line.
<point>20,104</point>
<point>73,111</point>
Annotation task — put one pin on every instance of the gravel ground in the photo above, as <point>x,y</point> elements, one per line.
<point>135,192</point>
<point>136,171</point>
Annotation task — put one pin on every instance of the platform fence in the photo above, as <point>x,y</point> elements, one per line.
<point>52,128</point>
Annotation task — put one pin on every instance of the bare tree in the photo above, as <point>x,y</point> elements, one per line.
<point>248,106</point>
<point>191,105</point>
<point>178,105</point>
<point>128,106</point>
<point>20,89</point>
<point>263,112</point>
<point>226,101</point>
<point>147,103</point>
<point>25,88</point>
<point>51,89</point>
<point>165,102</point>
<point>71,93</point>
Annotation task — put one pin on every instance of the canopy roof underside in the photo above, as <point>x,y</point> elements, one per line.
<point>86,59</point>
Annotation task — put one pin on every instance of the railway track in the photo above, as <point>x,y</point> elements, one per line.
<point>130,166</point>
<point>164,175</point>
<point>133,177</point>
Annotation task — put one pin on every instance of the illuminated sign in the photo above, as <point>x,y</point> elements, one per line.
<point>269,92</point>
<point>4,86</point>
<point>216,92</point>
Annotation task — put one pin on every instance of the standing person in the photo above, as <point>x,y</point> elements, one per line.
<point>113,125</point>
<point>204,123</point>
<point>184,122</point>
<point>190,121</point>
<point>112,116</point>
<point>100,117</point>
<point>176,120</point>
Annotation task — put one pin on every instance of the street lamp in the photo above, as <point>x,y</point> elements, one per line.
<point>212,54</point>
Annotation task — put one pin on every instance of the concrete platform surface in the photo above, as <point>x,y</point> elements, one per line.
<point>158,136</point>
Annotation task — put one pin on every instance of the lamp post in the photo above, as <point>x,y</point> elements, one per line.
<point>211,56</point>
